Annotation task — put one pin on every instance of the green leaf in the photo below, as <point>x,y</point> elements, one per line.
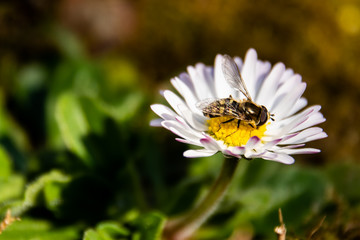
<point>256,203</point>
<point>112,230</point>
<point>344,178</point>
<point>30,78</point>
<point>52,193</point>
<point>34,189</point>
<point>91,234</point>
<point>80,78</point>
<point>150,226</point>
<point>67,42</point>
<point>108,230</point>
<point>266,186</point>
<point>37,229</point>
<point>123,109</point>
<point>9,127</point>
<point>121,73</point>
<point>146,227</point>
<point>5,164</point>
<point>11,188</point>
<point>93,114</point>
<point>72,123</point>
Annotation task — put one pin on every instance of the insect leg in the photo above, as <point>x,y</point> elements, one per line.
<point>230,120</point>
<point>238,125</point>
<point>227,121</point>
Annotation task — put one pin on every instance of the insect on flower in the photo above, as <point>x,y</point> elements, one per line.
<point>228,108</point>
<point>241,110</point>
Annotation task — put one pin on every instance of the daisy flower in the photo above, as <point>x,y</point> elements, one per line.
<point>202,113</point>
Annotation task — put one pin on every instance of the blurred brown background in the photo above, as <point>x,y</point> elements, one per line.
<point>318,39</point>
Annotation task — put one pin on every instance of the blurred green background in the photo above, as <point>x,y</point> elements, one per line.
<point>78,159</point>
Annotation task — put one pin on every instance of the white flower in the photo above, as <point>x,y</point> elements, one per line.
<point>278,88</point>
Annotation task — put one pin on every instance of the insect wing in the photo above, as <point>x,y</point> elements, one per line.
<point>219,108</point>
<point>233,76</point>
<point>231,110</point>
<point>210,107</point>
<point>205,103</point>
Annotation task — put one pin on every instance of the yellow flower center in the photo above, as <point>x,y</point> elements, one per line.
<point>230,133</point>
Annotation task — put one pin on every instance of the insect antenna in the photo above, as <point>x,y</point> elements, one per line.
<point>272,117</point>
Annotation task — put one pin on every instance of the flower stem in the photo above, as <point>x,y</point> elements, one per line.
<point>183,227</point>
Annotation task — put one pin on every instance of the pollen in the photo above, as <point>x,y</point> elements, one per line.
<point>222,128</point>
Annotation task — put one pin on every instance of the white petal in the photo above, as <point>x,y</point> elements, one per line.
<point>227,152</point>
<point>248,71</point>
<point>208,74</point>
<point>292,146</point>
<point>313,137</point>
<point>283,127</point>
<point>201,81</point>
<point>286,137</point>
<point>184,86</point>
<point>283,108</point>
<point>210,144</point>
<point>188,141</point>
<point>238,62</point>
<point>300,104</point>
<point>181,130</point>
<point>174,101</point>
<point>299,151</point>
<point>305,113</point>
<point>252,147</point>
<point>156,122</point>
<point>236,94</point>
<point>222,88</point>
<point>196,121</point>
<point>291,83</point>
<point>262,70</point>
<point>270,85</point>
<point>236,152</point>
<point>163,111</point>
<point>303,136</point>
<point>314,119</point>
<point>277,130</point>
<point>272,143</point>
<point>278,157</point>
<point>199,153</point>
<point>287,74</point>
<point>252,142</point>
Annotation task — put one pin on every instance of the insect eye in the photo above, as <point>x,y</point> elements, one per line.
<point>263,116</point>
